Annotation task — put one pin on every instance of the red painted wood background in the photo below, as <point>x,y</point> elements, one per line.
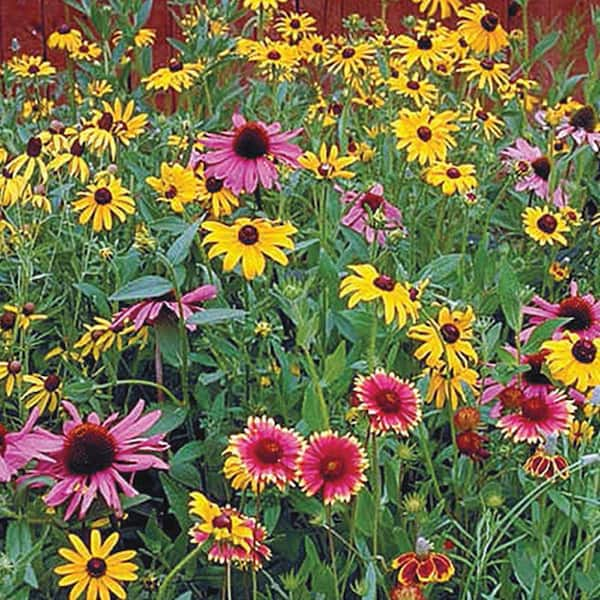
<point>30,21</point>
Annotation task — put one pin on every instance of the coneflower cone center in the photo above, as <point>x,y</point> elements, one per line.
<point>269,451</point>
<point>584,118</point>
<point>34,147</point>
<point>331,468</point>
<point>251,141</point>
<point>105,121</point>
<point>388,401</point>
<point>424,133</point>
<point>384,282</point>
<point>578,310</point>
<point>222,521</point>
<point>541,167</point>
<point>584,351</point>
<point>373,201</point>
<point>424,43</point>
<point>51,382</point>
<point>89,448</point>
<point>534,408</point>
<point>96,567</point>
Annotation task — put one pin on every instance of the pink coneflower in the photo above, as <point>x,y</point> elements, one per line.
<point>333,464</point>
<point>89,458</point>
<point>263,453</point>
<point>148,312</point>
<point>537,418</point>
<point>244,156</point>
<point>582,126</point>
<point>391,403</point>
<point>584,312</point>
<point>17,448</point>
<point>367,207</point>
<point>533,168</point>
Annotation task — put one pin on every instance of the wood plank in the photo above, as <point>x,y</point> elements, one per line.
<point>21,20</point>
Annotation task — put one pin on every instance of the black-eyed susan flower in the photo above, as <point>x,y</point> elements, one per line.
<point>65,38</point>
<point>315,49</point>
<point>558,271</point>
<point>419,90</point>
<point>579,432</point>
<point>446,340</point>
<point>31,67</point>
<point>422,566</point>
<point>449,385</point>
<point>368,285</point>
<point>351,59</point>
<point>176,76</point>
<point>102,200</point>
<point>176,185</point>
<point>44,392</point>
<point>574,360</point>
<point>25,315</point>
<point>276,59</point>
<point>249,241</point>
<point>482,29</point>
<point>143,38</point>
<point>87,51</point>
<point>487,73</point>
<point>217,199</point>
<point>328,164</point>
<point>30,161</point>
<point>100,337</point>
<point>545,226</point>
<point>263,4</point>
<point>427,49</point>
<point>294,26</point>
<point>10,374</point>
<point>99,88</point>
<point>73,159</point>
<point>264,453</point>
<point>446,7</point>
<point>453,179</point>
<point>11,187</point>
<point>425,135</point>
<point>34,110</point>
<point>487,122</point>
<point>93,569</point>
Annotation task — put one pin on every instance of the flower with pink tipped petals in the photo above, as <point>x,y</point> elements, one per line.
<point>391,403</point>
<point>89,458</point>
<point>537,418</point>
<point>367,206</point>
<point>583,127</point>
<point>245,156</point>
<point>334,465</point>
<point>584,312</point>
<point>263,453</point>
<point>148,312</point>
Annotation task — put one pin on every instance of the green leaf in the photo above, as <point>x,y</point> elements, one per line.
<point>441,268</point>
<point>365,511</point>
<point>180,248</point>
<point>508,291</point>
<point>188,452</point>
<point>335,364</point>
<point>210,316</point>
<point>171,418</point>
<point>545,44</point>
<point>313,413</point>
<point>149,286</point>
<point>178,498</point>
<point>542,333</point>
<point>143,14</point>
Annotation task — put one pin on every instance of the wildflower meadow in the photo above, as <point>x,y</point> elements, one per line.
<point>296,314</point>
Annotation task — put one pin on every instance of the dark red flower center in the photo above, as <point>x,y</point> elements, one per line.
<point>274,55</point>
<point>14,367</point>
<point>64,29</point>
<point>348,53</point>
<point>33,69</point>
<point>331,467</point>
<point>98,333</point>
<point>3,433</point>
<point>450,333</point>
<point>424,43</point>
<point>535,376</point>
<point>541,167</point>
<point>76,148</point>
<point>490,21</point>
<point>269,451</point>
<point>34,147</point>
<point>388,401</point>
<point>413,85</point>
<point>453,173</point>
<point>51,382</point>
<point>88,449</point>
<point>534,408</point>
<point>384,282</point>
<point>413,293</point>
<point>295,24</point>
<point>373,201</point>
<point>7,320</point>
<point>325,169</point>
<point>584,118</point>
<point>487,64</point>
<point>317,48</point>
<point>547,224</point>
<point>424,133</point>
<point>28,308</point>
<point>579,311</point>
<point>84,48</point>
<point>584,351</point>
<point>482,115</point>
<point>222,521</point>
<point>175,65</point>
<point>102,196</point>
<point>511,397</point>
<point>96,567</point>
<point>336,108</point>
<point>171,192</point>
<point>248,235</point>
<point>251,141</point>
<point>213,185</point>
<point>105,121</point>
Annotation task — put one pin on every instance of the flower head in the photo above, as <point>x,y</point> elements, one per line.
<point>176,185</point>
<point>481,29</point>
<point>546,465</point>
<point>422,566</point>
<point>328,164</point>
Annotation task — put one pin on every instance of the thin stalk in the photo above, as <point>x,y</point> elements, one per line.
<point>332,551</point>
<point>376,491</point>
<point>158,369</point>
<point>166,584</point>
<point>144,382</point>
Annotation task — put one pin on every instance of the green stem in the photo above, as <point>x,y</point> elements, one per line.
<point>376,490</point>
<point>332,551</point>
<point>164,587</point>
<point>140,382</point>
<point>429,464</point>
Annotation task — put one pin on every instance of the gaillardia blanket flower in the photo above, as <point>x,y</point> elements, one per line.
<point>89,458</point>
<point>333,465</point>
<point>244,156</point>
<point>422,566</point>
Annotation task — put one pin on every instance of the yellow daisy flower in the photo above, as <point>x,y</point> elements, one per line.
<point>100,337</point>
<point>263,4</point>
<point>103,199</point>
<point>249,240</point>
<point>35,110</point>
<point>89,51</point>
<point>544,226</point>
<point>176,185</point>
<point>481,29</point>
<point>418,90</point>
<point>446,7</point>
<point>453,179</point>
<point>64,38</point>
<point>574,360</point>
<point>215,198</point>
<point>328,164</point>
<point>10,373</point>
<point>95,569</point>
<point>315,49</point>
<point>427,49</point>
<point>176,76</point>
<point>31,67</point>
<point>488,123</point>
<point>26,315</point>
<point>351,60</point>
<point>44,391</point>
<point>580,431</point>
<point>30,160</point>
<point>488,72</point>
<point>449,385</point>
<point>294,26</point>
<point>73,158</point>
<point>559,272</point>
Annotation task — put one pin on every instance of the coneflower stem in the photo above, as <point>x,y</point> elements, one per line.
<point>158,369</point>
<point>165,587</point>
<point>258,198</point>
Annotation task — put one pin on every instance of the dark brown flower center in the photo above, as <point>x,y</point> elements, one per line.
<point>450,333</point>
<point>64,29</point>
<point>336,108</point>
<point>541,167</point>
<point>222,521</point>
<point>482,115</point>
<point>76,148</point>
<point>214,185</point>
<point>84,48</point>
<point>332,468</point>
<point>295,24</point>
<point>102,196</point>
<point>175,65</point>
<point>325,169</point>
<point>14,367</point>
<point>388,401</point>
<point>105,121</point>
<point>584,351</point>
<point>348,53</point>
<point>547,224</point>
<point>534,408</point>
<point>424,133</point>
<point>28,308</point>
<point>511,397</point>
<point>7,320</point>
<point>269,451</point>
<point>273,55</point>
<point>580,312</point>
<point>413,85</point>
<point>487,64</point>
<point>34,147</point>
<point>453,173</point>
<point>373,201</point>
<point>89,449</point>
<point>384,282</point>
<point>251,141</point>
<point>318,48</point>
<point>171,192</point>
<point>51,382</point>
<point>584,118</point>
<point>248,235</point>
<point>424,43</point>
<point>33,69</point>
<point>96,567</point>
<point>490,21</point>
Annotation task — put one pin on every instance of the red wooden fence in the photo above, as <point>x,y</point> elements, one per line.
<point>31,21</point>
